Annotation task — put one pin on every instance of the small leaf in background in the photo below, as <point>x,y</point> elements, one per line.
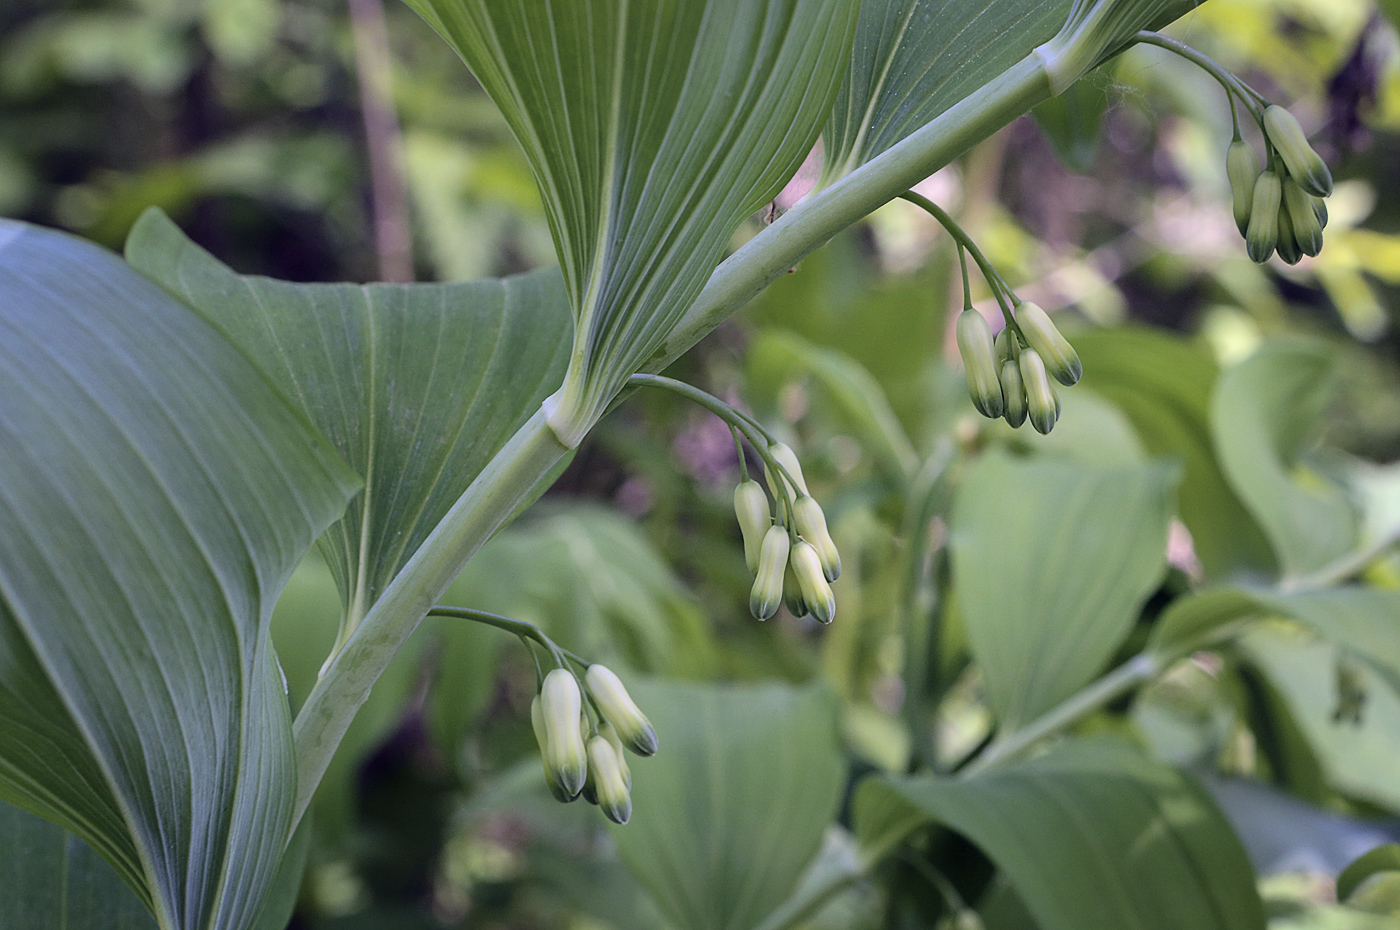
<point>157,494</point>
<point>1073,121</point>
<point>1163,383</point>
<point>653,129</point>
<point>1091,835</point>
<point>50,875</point>
<point>1052,562</point>
<point>1265,413</point>
<point>1378,861</point>
<point>727,815</point>
<point>417,385</point>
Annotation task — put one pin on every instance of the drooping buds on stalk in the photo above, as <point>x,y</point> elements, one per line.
<point>561,705</point>
<point>751,509</point>
<point>1307,230</point>
<point>1242,168</point>
<point>810,523</point>
<point>1304,164</point>
<point>1262,237</point>
<point>979,359</point>
<point>1013,389</point>
<point>1043,407</point>
<point>816,593</point>
<point>613,796</point>
<point>618,709</point>
<point>1060,359</point>
<point>782,454</point>
<point>767,592</point>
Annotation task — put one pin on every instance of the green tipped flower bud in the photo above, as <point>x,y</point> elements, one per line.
<point>1242,168</point>
<point>811,526</point>
<point>1007,345</point>
<point>1320,211</point>
<point>792,594</point>
<point>1060,359</point>
<point>1042,405</point>
<point>767,591</point>
<point>1262,236</point>
<point>979,359</point>
<point>561,705</point>
<point>1288,248</point>
<point>537,722</point>
<point>816,593</point>
<point>1307,231</point>
<point>607,732</point>
<point>751,509</point>
<point>614,797</point>
<point>618,709</point>
<point>1013,388</point>
<point>785,457</point>
<point>1304,164</point>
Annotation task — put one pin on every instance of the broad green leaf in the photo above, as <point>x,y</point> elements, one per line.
<point>54,881</point>
<point>1052,562</point>
<point>417,385</point>
<point>732,808</point>
<point>1265,413</point>
<point>156,493</point>
<point>653,129</point>
<point>1163,383</point>
<point>1092,836</point>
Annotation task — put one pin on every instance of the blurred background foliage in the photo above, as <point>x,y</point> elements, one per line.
<point>245,121</point>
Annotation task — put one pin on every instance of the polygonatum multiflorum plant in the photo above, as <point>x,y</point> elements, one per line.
<point>175,437</point>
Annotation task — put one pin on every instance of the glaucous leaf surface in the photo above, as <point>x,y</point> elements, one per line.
<point>1266,412</point>
<point>1091,835</point>
<point>653,129</point>
<point>733,806</point>
<point>417,385</point>
<point>54,881</point>
<point>156,492</point>
<point>1051,563</point>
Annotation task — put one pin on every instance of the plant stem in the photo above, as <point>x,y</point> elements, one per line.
<point>995,282</point>
<point>1122,679</point>
<point>519,627</point>
<point>1233,85</point>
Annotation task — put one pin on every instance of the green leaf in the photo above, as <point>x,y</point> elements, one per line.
<point>731,810</point>
<point>1073,120</point>
<point>1052,562</point>
<point>1092,836</point>
<point>157,493</point>
<point>653,130</point>
<point>1381,859</point>
<point>1265,413</point>
<point>54,880</point>
<point>1163,383</point>
<point>418,385</point>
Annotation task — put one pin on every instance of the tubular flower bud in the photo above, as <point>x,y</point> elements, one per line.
<point>1288,249</point>
<point>1320,211</point>
<point>607,732</point>
<point>1007,346</point>
<point>1242,168</point>
<point>782,453</point>
<point>618,709</point>
<point>751,509</point>
<point>1013,388</point>
<point>1042,405</point>
<point>1304,164</point>
<point>811,526</point>
<point>792,594</point>
<point>537,721</point>
<point>561,705</point>
<point>614,798</point>
<point>807,569</point>
<point>1060,359</point>
<point>979,359</point>
<point>1262,237</point>
<point>767,592</point>
<point>1307,231</point>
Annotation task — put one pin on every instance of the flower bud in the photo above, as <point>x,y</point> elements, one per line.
<point>1060,359</point>
<point>1007,345</point>
<point>606,731</point>
<point>1288,249</point>
<point>561,705</point>
<point>1307,231</point>
<point>537,722</point>
<point>614,798</point>
<point>1304,164</point>
<point>1014,390</point>
<point>792,594</point>
<point>1319,210</point>
<point>618,709</point>
<point>1042,406</point>
<point>784,456</point>
<point>811,526</point>
<point>979,360</point>
<point>767,592</point>
<point>751,509</point>
<point>1242,168</point>
<point>1262,236</point>
<point>816,593</point>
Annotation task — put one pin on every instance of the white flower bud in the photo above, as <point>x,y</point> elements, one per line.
<point>614,797</point>
<point>784,456</point>
<point>811,526</point>
<point>751,509</point>
<point>607,732</point>
<point>767,592</point>
<point>816,593</point>
<point>618,709</point>
<point>561,705</point>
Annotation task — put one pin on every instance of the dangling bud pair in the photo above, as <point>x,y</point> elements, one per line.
<point>576,762</point>
<point>1276,210</point>
<point>1011,380</point>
